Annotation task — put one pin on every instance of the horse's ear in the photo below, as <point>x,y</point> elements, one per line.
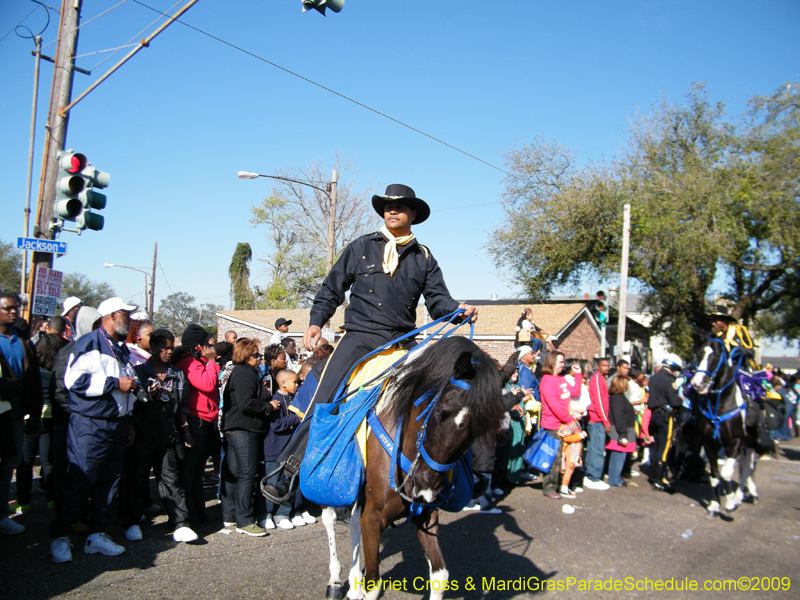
<point>464,369</point>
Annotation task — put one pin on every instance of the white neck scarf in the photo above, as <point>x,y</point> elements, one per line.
<point>390,256</point>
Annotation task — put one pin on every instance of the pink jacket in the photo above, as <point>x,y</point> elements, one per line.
<point>598,392</point>
<point>555,393</point>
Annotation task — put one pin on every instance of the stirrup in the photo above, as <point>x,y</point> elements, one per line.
<point>290,468</point>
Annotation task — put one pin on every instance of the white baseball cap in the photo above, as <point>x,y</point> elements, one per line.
<point>69,304</point>
<point>523,350</point>
<point>114,305</point>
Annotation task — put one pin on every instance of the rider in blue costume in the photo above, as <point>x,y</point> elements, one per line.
<point>386,273</point>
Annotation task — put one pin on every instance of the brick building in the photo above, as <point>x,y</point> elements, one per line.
<point>568,322</point>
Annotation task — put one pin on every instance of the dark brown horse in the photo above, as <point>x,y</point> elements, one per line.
<point>456,390</point>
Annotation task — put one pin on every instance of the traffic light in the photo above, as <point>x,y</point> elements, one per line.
<point>69,185</point>
<point>76,197</point>
<point>91,200</point>
<point>321,5</point>
<point>599,309</point>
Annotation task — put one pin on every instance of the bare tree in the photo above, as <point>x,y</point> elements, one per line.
<point>297,219</point>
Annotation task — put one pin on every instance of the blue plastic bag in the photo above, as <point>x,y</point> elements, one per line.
<point>540,452</point>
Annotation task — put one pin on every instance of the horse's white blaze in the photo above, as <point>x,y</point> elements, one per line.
<point>462,414</point>
<point>701,381</point>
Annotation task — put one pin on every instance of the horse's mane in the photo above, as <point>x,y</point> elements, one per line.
<point>432,369</point>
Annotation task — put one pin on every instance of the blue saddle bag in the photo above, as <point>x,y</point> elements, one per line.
<point>333,471</point>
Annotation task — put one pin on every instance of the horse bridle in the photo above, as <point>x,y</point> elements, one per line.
<point>392,446</point>
<point>714,417</point>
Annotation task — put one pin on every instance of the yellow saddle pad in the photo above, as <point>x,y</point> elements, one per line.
<point>365,372</point>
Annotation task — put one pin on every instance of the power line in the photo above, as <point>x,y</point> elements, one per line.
<point>89,21</point>
<point>327,89</point>
<point>23,20</point>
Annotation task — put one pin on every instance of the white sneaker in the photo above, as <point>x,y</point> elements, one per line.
<point>308,518</point>
<point>284,523</point>
<point>578,490</point>
<point>100,543</point>
<point>635,473</point>
<point>184,534</point>
<point>596,485</point>
<point>133,533</point>
<point>60,550</point>
<point>229,524</point>
<point>267,523</point>
<point>10,526</point>
<point>497,492</point>
<point>472,505</point>
<point>490,511</point>
<point>298,521</point>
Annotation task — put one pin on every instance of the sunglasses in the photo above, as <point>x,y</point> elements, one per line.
<point>9,308</point>
<point>256,355</point>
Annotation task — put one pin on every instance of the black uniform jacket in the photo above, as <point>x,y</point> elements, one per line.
<point>662,390</point>
<point>379,301</point>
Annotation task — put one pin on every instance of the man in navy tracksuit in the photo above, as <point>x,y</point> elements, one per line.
<point>102,386</point>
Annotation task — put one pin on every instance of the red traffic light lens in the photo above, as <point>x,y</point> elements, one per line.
<point>77,163</point>
<point>601,295</point>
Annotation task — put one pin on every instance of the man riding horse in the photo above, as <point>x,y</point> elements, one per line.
<point>386,272</point>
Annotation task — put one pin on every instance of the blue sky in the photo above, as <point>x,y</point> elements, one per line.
<point>176,123</point>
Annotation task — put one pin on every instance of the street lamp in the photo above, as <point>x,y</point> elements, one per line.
<point>148,307</point>
<point>330,193</point>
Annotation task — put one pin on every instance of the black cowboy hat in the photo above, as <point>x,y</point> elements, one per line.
<point>722,312</point>
<point>397,192</point>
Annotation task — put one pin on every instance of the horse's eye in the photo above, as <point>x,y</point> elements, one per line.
<point>442,414</point>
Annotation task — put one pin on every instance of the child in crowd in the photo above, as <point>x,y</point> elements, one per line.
<point>281,426</point>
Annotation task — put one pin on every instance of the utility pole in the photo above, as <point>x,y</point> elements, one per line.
<point>153,283</point>
<point>38,40</point>
<point>331,221</point>
<point>56,129</point>
<point>623,283</point>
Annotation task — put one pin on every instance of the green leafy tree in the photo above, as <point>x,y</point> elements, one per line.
<point>91,293</point>
<point>239,272</point>
<point>176,312</point>
<point>296,218</point>
<point>707,198</point>
<point>10,268</point>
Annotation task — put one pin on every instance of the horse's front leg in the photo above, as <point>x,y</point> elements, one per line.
<point>713,506</point>
<point>428,533</point>
<point>334,590</point>
<point>727,471</point>
<point>370,584</point>
<point>747,468</point>
<point>355,577</point>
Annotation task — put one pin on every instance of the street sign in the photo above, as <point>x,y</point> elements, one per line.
<point>39,245</point>
<point>47,291</point>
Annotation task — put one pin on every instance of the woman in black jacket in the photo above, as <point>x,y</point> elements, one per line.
<point>244,421</point>
<point>623,430</point>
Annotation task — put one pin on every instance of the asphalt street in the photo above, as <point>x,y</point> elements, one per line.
<point>633,538</point>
